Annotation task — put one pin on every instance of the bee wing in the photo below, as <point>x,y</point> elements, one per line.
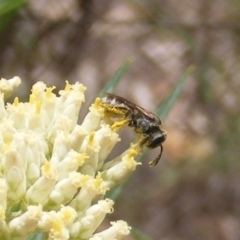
<point>133,107</point>
<point>117,101</point>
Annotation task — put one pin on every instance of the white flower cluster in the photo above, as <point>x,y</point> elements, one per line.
<point>53,175</point>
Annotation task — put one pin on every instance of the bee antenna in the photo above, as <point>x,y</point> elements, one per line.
<point>155,162</point>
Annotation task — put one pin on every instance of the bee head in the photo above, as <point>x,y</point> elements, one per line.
<point>156,138</point>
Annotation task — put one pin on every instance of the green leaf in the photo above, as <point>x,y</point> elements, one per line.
<point>114,80</point>
<point>165,106</point>
<point>116,192</point>
<point>16,207</point>
<point>5,21</point>
<point>7,6</point>
<point>138,235</point>
<point>37,236</point>
<point>8,11</point>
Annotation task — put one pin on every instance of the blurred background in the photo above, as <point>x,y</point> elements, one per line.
<point>194,191</point>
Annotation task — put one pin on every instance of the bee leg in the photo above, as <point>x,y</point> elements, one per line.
<point>112,109</point>
<point>138,146</point>
<point>155,162</point>
<point>120,123</point>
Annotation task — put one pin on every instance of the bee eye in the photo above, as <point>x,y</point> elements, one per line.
<point>157,138</point>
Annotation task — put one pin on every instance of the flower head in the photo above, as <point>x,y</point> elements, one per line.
<point>53,170</point>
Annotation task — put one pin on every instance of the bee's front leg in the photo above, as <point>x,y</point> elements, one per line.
<point>138,146</point>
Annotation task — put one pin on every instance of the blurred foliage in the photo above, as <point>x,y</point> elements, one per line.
<point>8,6</point>
<point>165,106</point>
<point>112,83</point>
<point>8,10</point>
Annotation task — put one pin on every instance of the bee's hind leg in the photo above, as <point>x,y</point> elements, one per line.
<point>120,123</point>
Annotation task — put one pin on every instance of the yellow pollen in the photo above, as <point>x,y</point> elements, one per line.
<point>98,181</point>
<point>46,168</point>
<point>38,107</point>
<point>16,101</point>
<point>91,137</point>
<point>7,139</point>
<point>2,214</point>
<point>97,103</point>
<point>66,215</point>
<point>132,153</point>
<point>84,178</point>
<point>32,98</point>
<point>56,226</point>
<point>49,91</point>
<point>82,157</point>
<point>67,86</point>
<point>81,88</point>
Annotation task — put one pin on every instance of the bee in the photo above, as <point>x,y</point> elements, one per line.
<point>145,124</point>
